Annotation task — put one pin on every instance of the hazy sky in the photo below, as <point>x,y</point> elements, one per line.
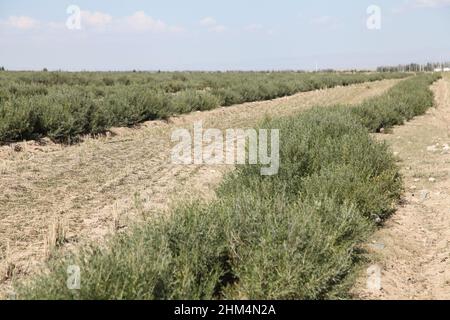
<point>221,34</point>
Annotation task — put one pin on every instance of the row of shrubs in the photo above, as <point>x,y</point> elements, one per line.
<point>294,235</point>
<point>167,81</point>
<point>63,112</point>
<point>396,107</point>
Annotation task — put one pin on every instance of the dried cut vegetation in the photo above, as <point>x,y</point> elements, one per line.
<point>291,236</point>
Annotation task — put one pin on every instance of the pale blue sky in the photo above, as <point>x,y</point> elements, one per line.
<point>221,34</point>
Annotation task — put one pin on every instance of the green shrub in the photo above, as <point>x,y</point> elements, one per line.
<point>191,100</point>
<point>228,96</point>
<point>18,120</point>
<point>108,81</point>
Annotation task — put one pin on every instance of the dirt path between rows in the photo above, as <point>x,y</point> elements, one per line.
<point>100,186</point>
<point>413,249</point>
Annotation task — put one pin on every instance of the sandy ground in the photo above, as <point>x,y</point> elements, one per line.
<point>74,194</point>
<point>413,249</point>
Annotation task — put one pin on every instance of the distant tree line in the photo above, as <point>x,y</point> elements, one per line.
<point>2,68</point>
<point>414,67</point>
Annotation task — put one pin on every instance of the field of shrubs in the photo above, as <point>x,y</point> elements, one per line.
<point>291,236</point>
<point>64,105</point>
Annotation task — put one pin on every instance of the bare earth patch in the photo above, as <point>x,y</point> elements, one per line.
<point>82,193</point>
<point>413,249</point>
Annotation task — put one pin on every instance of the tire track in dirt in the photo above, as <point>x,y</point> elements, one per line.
<point>413,248</point>
<point>102,185</point>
